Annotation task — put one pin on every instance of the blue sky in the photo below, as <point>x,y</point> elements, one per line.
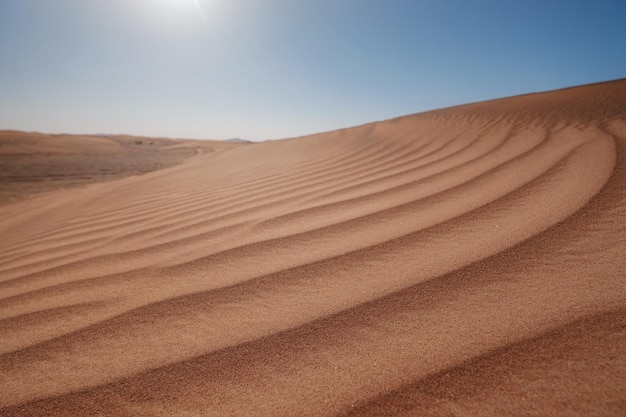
<point>262,69</point>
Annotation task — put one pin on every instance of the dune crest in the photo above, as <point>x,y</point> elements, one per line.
<point>343,272</point>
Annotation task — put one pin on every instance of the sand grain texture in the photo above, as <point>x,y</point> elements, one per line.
<point>464,261</point>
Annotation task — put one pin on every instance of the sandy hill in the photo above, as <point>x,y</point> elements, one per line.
<point>32,163</point>
<point>464,261</point>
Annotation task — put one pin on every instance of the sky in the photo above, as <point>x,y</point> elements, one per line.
<point>268,69</point>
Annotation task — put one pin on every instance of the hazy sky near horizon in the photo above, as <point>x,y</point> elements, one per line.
<point>261,69</point>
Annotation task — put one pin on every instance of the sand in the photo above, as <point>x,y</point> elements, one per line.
<point>463,261</point>
<point>32,163</point>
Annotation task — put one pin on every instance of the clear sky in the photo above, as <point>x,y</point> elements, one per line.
<point>260,69</point>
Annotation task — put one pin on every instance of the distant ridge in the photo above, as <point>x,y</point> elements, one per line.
<point>238,140</point>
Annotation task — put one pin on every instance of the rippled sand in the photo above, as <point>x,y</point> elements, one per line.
<point>464,261</point>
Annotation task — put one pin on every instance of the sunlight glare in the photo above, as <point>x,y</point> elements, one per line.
<point>183,5</point>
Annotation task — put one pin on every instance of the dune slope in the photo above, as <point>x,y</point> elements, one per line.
<point>464,261</point>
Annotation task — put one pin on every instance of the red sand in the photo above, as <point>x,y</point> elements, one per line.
<point>464,261</point>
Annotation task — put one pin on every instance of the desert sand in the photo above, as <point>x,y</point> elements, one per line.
<point>33,163</point>
<point>463,261</point>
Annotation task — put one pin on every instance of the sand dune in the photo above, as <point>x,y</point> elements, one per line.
<point>32,163</point>
<point>464,261</point>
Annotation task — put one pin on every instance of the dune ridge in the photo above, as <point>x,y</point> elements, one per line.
<point>344,272</point>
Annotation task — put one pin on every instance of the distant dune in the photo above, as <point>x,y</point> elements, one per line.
<point>32,163</point>
<point>463,261</point>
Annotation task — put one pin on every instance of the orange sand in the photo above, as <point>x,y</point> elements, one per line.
<point>464,261</point>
